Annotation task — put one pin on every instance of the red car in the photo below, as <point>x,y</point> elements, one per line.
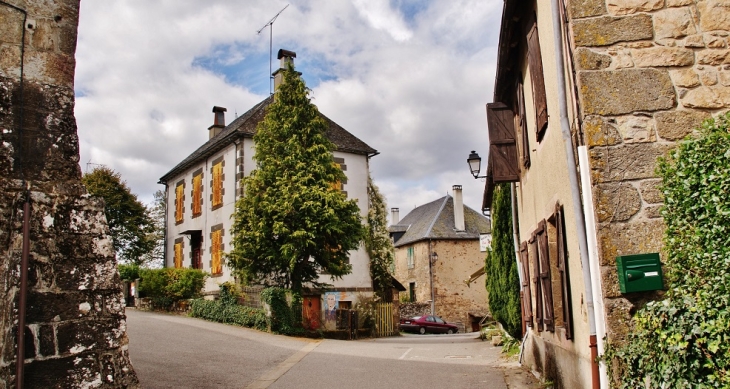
<point>428,324</point>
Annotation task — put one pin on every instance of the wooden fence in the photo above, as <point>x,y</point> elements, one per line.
<point>385,323</point>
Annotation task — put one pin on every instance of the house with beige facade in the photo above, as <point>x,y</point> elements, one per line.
<point>202,190</point>
<point>437,253</point>
<point>587,95</point>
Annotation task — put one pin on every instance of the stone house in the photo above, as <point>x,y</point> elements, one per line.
<point>201,193</point>
<point>587,95</point>
<point>437,251</point>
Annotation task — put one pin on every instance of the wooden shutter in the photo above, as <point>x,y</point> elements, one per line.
<point>502,143</point>
<point>563,269</point>
<point>537,77</point>
<point>548,316</point>
<point>525,144</point>
<point>536,281</point>
<point>215,252</point>
<point>526,294</point>
<point>178,255</point>
<point>197,194</point>
<point>179,199</point>
<point>217,184</point>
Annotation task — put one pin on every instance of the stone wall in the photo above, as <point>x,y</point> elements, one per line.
<point>648,72</point>
<point>75,333</point>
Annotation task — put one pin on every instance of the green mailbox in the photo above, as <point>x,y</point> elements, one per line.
<point>639,272</point>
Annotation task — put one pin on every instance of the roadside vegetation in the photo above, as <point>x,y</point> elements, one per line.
<point>683,340</point>
<point>165,287</point>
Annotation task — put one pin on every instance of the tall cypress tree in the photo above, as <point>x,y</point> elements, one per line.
<point>293,223</point>
<point>378,243</point>
<point>503,283</point>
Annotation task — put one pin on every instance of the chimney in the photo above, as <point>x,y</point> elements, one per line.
<point>219,122</point>
<point>284,57</point>
<point>458,209</point>
<point>394,216</point>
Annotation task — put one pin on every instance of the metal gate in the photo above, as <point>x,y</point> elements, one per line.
<point>385,323</point>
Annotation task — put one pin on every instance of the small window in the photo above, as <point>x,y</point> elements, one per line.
<point>179,202</point>
<point>412,291</point>
<point>178,253</point>
<point>198,194</point>
<point>411,262</point>
<point>217,185</point>
<point>216,251</point>
<point>522,124</point>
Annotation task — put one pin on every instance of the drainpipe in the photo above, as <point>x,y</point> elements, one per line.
<point>575,190</point>
<point>23,292</point>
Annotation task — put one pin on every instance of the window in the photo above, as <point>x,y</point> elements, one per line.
<point>526,294</point>
<point>179,202</point>
<point>502,163</point>
<point>534,58</point>
<point>522,123</point>
<point>197,206</point>
<point>409,254</point>
<point>216,196</point>
<point>562,257</point>
<point>412,291</point>
<point>179,242</point>
<point>216,250</point>
<point>340,185</point>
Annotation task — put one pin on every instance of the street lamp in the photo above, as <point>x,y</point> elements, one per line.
<point>475,164</point>
<point>433,258</point>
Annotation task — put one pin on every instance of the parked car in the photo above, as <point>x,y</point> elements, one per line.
<point>427,324</point>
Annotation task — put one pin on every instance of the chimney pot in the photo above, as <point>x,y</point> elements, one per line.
<point>394,215</point>
<point>458,209</point>
<point>219,122</point>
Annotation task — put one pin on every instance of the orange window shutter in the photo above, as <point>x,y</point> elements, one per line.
<point>337,185</point>
<point>178,255</point>
<point>179,191</point>
<point>217,184</point>
<point>197,194</point>
<point>217,240</point>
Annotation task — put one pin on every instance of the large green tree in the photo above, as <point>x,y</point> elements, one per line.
<point>293,223</point>
<point>155,258</point>
<point>378,243</point>
<point>503,283</point>
<point>130,226</point>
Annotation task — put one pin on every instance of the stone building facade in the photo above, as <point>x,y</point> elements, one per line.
<point>75,331</point>
<point>588,95</point>
<point>437,227</point>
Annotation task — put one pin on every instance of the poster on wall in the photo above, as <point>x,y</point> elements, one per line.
<point>485,240</point>
<point>331,300</point>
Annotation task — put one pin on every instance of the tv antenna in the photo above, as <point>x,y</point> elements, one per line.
<point>270,24</point>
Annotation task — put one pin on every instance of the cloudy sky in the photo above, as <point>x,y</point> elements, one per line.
<point>409,77</point>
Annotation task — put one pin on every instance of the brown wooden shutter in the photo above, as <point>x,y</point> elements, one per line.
<point>526,294</point>
<point>545,280</point>
<point>502,143</point>
<point>534,58</point>
<point>525,144</point>
<point>563,269</point>
<point>536,281</point>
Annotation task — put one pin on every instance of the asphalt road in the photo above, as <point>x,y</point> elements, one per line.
<point>170,351</point>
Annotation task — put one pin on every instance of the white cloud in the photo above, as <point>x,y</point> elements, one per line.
<point>410,82</point>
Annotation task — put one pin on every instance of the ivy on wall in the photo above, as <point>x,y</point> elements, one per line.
<point>683,341</point>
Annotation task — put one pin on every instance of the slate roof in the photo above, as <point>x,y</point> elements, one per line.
<point>435,220</point>
<point>244,126</point>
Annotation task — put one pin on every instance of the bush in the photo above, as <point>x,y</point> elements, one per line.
<point>683,341</point>
<point>225,312</point>
<point>167,286</point>
<point>129,272</point>
<point>282,319</point>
